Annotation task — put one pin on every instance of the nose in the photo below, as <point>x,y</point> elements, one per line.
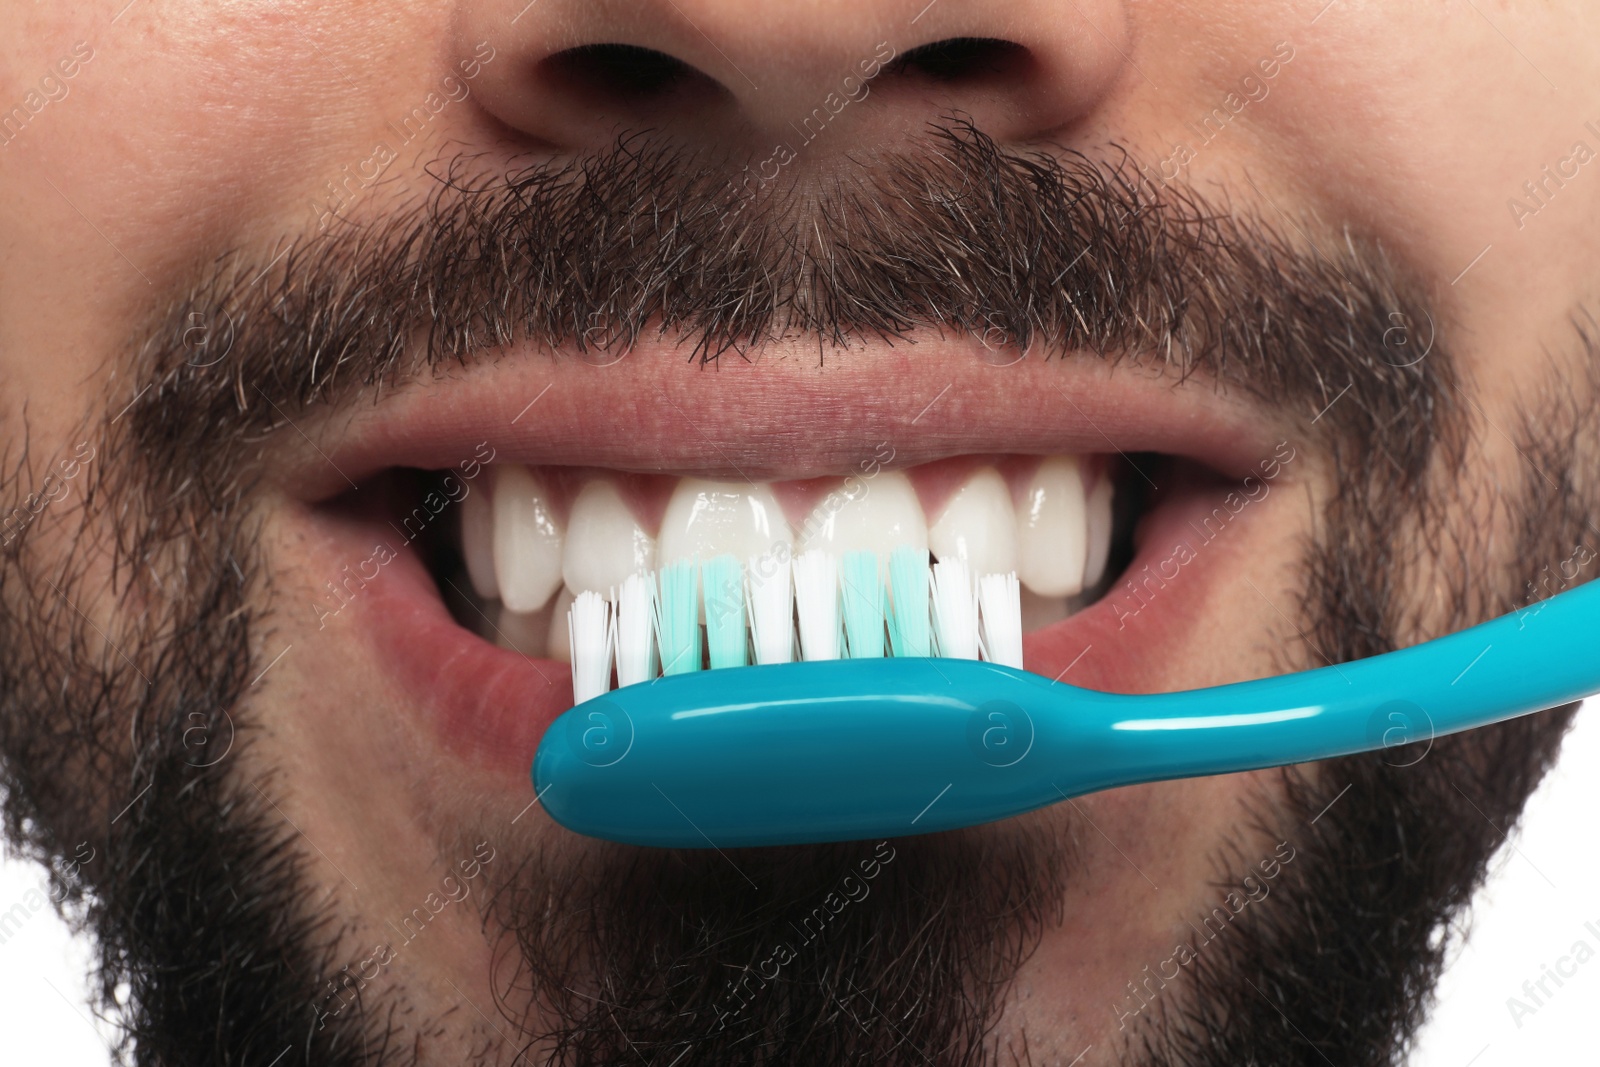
<point>834,75</point>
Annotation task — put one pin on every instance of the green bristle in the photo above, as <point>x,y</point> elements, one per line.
<point>680,617</point>
<point>723,578</point>
<point>863,604</point>
<point>909,629</point>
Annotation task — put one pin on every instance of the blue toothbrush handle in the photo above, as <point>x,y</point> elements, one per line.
<point>852,749</point>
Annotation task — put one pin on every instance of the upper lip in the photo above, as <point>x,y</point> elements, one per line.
<point>783,413</point>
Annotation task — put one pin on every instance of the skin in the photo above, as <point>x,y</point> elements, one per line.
<point>201,126</point>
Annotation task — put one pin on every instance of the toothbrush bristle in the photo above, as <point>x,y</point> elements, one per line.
<point>1000,607</point>
<point>816,596</point>
<point>636,630</point>
<point>590,633</point>
<point>678,631</point>
<point>861,590</point>
<point>771,600</point>
<point>910,626</point>
<point>726,643</point>
<point>955,610</point>
<point>758,612</point>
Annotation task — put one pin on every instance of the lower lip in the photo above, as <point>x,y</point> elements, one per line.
<point>489,706</point>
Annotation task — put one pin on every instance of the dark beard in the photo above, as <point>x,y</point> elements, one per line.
<point>197,900</point>
<point>797,956</point>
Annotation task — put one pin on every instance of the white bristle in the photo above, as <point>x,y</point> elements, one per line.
<point>1000,604</point>
<point>973,617</point>
<point>771,601</point>
<point>816,594</point>
<point>636,630</point>
<point>589,630</point>
<point>955,610</point>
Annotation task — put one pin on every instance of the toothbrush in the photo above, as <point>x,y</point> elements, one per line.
<point>858,748</point>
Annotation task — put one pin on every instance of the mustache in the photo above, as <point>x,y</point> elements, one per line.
<point>1035,253</point>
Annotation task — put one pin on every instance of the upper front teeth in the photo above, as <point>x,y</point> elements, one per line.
<point>978,525</point>
<point>528,539</point>
<point>705,519</point>
<point>1046,528</point>
<point>605,543</point>
<point>877,516</point>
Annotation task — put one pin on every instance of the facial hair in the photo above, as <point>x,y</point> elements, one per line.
<point>125,655</point>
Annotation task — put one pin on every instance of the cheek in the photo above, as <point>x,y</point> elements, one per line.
<point>238,121</point>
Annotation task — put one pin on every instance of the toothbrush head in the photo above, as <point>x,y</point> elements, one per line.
<point>699,725</point>
<point>801,752</point>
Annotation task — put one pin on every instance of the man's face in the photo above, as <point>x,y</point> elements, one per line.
<point>322,325</point>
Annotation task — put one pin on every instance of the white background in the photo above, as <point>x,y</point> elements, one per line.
<point>1540,896</point>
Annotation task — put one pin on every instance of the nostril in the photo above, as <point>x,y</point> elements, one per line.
<point>623,74</point>
<point>957,59</point>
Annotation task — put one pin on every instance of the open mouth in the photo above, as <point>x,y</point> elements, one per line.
<point>461,548</point>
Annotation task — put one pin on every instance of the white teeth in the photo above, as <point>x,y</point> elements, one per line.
<point>708,519</point>
<point>605,543</point>
<point>527,540</point>
<point>783,582</point>
<point>877,515</point>
<point>1052,530</point>
<point>978,525</point>
<point>477,540</point>
<point>1099,531</point>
